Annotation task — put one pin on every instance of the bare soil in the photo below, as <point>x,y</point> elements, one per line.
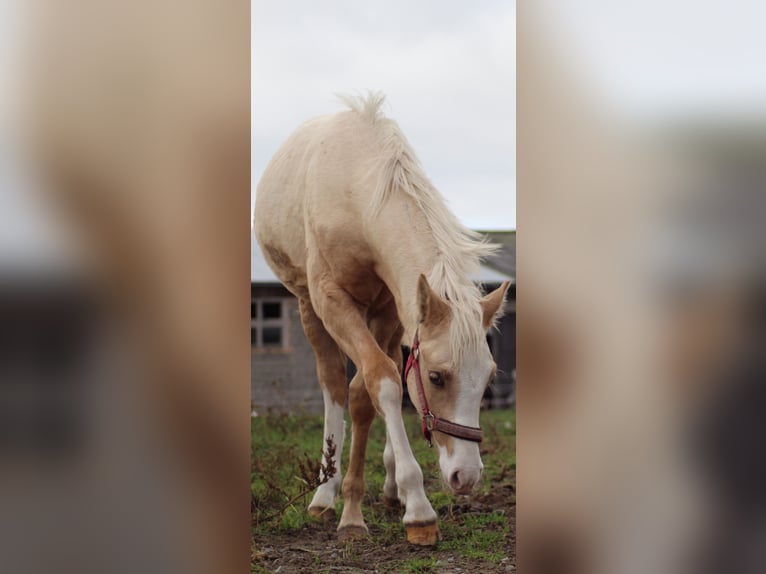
<point>315,548</point>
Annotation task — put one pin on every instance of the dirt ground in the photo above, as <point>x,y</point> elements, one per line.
<point>478,531</point>
<point>315,548</point>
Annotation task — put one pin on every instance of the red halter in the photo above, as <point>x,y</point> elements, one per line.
<point>430,421</point>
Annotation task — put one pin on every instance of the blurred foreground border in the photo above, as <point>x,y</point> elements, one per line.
<point>124,397</point>
<point>641,356</point>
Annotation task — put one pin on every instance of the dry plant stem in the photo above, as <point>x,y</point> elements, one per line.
<point>313,474</point>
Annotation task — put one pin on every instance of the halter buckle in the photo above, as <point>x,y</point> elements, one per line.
<point>428,427</point>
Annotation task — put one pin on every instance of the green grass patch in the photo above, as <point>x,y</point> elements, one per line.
<point>476,536</point>
<point>281,495</point>
<point>419,565</point>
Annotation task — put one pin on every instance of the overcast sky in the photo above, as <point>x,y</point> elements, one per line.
<point>658,59</point>
<point>448,69</point>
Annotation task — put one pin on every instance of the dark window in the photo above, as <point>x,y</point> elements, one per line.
<point>269,323</point>
<point>272,310</point>
<point>272,336</point>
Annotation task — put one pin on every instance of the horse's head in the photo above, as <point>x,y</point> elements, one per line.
<point>456,367</point>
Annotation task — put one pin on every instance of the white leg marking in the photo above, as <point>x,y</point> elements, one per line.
<point>334,427</point>
<point>389,487</point>
<point>409,477</point>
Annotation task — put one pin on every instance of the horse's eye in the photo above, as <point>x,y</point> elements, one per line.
<point>436,378</point>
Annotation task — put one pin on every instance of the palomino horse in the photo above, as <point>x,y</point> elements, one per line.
<point>352,226</point>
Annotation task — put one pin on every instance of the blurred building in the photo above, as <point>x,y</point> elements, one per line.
<point>283,373</point>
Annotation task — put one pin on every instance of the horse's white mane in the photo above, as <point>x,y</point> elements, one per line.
<point>459,248</point>
<point>369,108</point>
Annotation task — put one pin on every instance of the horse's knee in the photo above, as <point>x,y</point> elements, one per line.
<point>387,395</point>
<point>359,402</point>
<point>382,381</point>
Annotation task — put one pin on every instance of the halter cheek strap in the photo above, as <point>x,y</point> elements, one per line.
<point>430,422</point>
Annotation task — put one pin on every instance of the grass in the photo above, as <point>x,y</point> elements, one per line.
<point>281,491</point>
<point>477,536</point>
<point>420,565</point>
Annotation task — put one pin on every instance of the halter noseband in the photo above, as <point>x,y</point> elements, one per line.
<point>431,422</point>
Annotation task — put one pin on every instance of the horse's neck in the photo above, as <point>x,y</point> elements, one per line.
<point>407,249</point>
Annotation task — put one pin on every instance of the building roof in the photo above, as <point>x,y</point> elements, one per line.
<point>504,260</point>
<point>490,276</point>
<point>494,271</point>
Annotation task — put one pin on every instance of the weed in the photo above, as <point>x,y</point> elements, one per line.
<point>312,475</point>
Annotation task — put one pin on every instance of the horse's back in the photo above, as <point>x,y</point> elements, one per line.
<point>314,193</point>
<point>278,220</point>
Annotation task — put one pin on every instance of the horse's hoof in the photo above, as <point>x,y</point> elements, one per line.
<point>422,533</point>
<point>352,532</point>
<point>392,503</point>
<point>326,514</point>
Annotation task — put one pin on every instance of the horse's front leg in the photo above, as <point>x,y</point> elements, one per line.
<point>419,517</point>
<point>346,324</point>
<point>390,490</point>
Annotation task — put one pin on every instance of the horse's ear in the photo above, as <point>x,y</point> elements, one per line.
<point>492,304</point>
<point>431,309</point>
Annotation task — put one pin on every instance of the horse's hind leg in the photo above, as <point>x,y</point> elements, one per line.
<point>362,415</point>
<point>331,371</point>
<point>390,490</point>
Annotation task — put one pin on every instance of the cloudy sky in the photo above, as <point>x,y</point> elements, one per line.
<point>448,69</point>
<point>662,58</point>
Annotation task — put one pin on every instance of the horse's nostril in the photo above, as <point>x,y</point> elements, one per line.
<point>463,480</point>
<point>454,480</point>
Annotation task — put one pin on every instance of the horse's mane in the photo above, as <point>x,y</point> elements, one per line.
<point>459,249</point>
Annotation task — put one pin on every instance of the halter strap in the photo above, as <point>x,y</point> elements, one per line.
<point>431,422</point>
